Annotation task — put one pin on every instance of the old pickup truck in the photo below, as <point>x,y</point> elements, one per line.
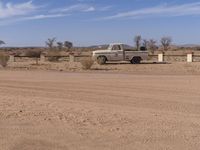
<point>119,52</point>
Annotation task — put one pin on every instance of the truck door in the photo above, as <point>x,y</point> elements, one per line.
<point>117,53</point>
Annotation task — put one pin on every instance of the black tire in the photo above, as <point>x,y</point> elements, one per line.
<point>101,60</point>
<point>136,60</point>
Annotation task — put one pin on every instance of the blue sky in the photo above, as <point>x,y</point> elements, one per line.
<point>90,22</point>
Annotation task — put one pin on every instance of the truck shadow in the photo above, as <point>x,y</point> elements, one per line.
<point>103,69</point>
<point>33,144</point>
<point>158,63</point>
<point>142,63</point>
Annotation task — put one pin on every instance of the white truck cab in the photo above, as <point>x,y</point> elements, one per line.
<point>119,52</point>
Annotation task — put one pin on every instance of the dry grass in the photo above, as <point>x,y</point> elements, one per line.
<point>53,56</point>
<point>87,63</point>
<point>4,58</point>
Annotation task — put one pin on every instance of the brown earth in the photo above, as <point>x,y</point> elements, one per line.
<point>150,68</point>
<point>48,110</point>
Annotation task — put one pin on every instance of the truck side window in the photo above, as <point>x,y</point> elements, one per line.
<point>116,47</point>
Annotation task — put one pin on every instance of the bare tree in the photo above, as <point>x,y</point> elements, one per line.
<point>145,43</point>
<point>68,45</point>
<point>2,42</point>
<point>50,43</point>
<point>137,41</point>
<point>166,42</point>
<point>60,45</point>
<point>152,45</point>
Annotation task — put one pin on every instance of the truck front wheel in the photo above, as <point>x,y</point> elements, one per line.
<point>136,60</point>
<point>101,60</point>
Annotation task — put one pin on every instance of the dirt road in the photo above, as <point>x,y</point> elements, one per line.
<point>82,111</point>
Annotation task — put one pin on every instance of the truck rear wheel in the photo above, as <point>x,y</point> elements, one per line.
<point>136,60</point>
<point>101,60</point>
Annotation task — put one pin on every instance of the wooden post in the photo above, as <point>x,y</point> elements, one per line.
<point>11,58</point>
<point>190,57</point>
<point>42,58</point>
<point>161,57</point>
<point>71,58</point>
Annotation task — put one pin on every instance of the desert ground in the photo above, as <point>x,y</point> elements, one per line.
<point>148,68</point>
<point>52,110</point>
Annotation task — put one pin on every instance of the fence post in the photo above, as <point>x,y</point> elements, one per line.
<point>42,58</point>
<point>190,57</point>
<point>71,58</point>
<point>161,57</point>
<point>11,58</point>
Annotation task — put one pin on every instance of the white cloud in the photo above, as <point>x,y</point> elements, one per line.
<point>164,10</point>
<point>10,13</point>
<point>14,12</point>
<point>105,8</point>
<point>81,8</point>
<point>89,9</point>
<point>75,8</point>
<point>11,10</point>
<point>36,17</point>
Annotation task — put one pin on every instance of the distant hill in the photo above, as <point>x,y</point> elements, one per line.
<point>103,46</point>
<point>99,46</point>
<point>189,45</point>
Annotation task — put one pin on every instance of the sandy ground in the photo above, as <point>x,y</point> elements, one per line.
<point>48,110</point>
<point>175,68</point>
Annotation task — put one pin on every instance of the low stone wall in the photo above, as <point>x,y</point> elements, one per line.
<point>43,58</point>
<point>23,59</point>
<point>153,58</point>
<point>196,58</point>
<point>175,58</point>
<point>72,58</point>
<point>169,58</point>
<point>182,58</point>
<point>80,58</point>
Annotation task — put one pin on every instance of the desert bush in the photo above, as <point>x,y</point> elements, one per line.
<point>4,60</point>
<point>50,43</point>
<point>2,42</point>
<point>68,45</point>
<point>87,63</point>
<point>34,54</point>
<point>59,46</point>
<point>137,41</point>
<point>53,56</point>
<point>152,47</point>
<point>166,42</point>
